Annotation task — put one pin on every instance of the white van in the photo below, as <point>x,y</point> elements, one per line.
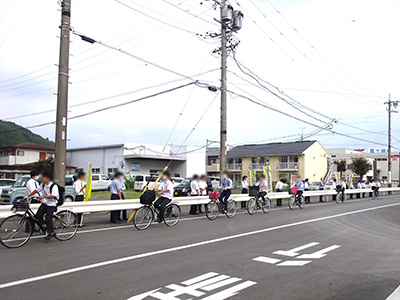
<point>141,181</point>
<point>100,182</point>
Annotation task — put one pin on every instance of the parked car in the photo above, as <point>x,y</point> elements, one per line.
<point>177,181</point>
<point>100,182</point>
<point>19,190</point>
<point>6,183</point>
<point>183,189</point>
<point>142,180</point>
<point>314,186</point>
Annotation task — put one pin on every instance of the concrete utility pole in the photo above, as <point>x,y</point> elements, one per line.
<point>391,106</point>
<point>223,93</point>
<point>62,95</point>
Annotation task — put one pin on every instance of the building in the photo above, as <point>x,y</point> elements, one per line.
<point>18,159</point>
<point>377,158</point>
<point>213,161</point>
<point>134,159</point>
<point>305,158</point>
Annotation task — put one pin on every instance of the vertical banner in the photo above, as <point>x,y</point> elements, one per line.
<point>350,180</point>
<point>251,177</point>
<point>268,175</point>
<point>292,179</point>
<point>338,175</point>
<point>88,190</point>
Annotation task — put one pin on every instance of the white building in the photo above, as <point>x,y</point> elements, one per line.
<point>135,158</point>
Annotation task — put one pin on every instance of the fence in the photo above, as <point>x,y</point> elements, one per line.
<point>108,205</point>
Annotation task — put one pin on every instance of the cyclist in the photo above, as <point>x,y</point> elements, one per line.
<point>48,197</point>
<point>300,188</point>
<point>165,192</point>
<point>375,185</point>
<point>341,187</point>
<point>226,187</point>
<point>262,188</point>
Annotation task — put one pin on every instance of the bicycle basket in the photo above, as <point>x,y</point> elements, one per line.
<point>214,195</point>
<point>148,197</point>
<point>253,191</point>
<point>293,191</point>
<point>20,205</point>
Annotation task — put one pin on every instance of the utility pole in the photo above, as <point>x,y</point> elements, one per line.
<point>223,93</point>
<point>391,106</point>
<point>62,95</point>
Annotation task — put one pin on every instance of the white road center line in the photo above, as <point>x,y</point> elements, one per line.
<point>183,247</point>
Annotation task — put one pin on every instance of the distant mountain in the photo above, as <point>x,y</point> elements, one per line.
<point>12,134</point>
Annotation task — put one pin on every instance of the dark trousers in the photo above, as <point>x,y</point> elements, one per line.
<point>358,196</point>
<point>243,203</point>
<point>160,204</point>
<point>224,196</point>
<point>298,195</point>
<point>195,207</point>
<point>307,199</point>
<point>48,211</point>
<point>279,201</point>
<point>115,215</point>
<point>320,197</point>
<point>79,198</point>
<point>262,195</point>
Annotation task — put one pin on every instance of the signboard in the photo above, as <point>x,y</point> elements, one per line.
<point>135,167</point>
<point>378,150</point>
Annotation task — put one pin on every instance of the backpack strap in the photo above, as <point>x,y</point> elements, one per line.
<point>51,187</point>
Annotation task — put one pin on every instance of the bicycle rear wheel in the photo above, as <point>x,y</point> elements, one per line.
<point>252,206</point>
<point>15,231</point>
<point>172,215</point>
<point>231,208</point>
<point>338,198</point>
<point>266,207</point>
<point>65,225</point>
<point>291,202</point>
<point>143,218</point>
<point>212,210</point>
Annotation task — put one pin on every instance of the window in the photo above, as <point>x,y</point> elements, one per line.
<point>381,159</point>
<point>69,181</point>
<point>283,159</point>
<point>139,178</point>
<point>177,175</point>
<point>104,177</point>
<point>212,161</point>
<point>96,170</point>
<point>77,170</point>
<point>154,172</point>
<point>20,153</point>
<point>384,177</point>
<point>112,170</point>
<point>95,177</point>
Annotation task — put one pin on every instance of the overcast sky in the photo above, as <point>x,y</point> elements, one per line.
<point>348,74</point>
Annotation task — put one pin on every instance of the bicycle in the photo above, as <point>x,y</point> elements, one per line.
<point>296,200</point>
<point>215,207</point>
<point>375,194</point>
<point>255,203</point>
<point>339,196</point>
<point>17,229</point>
<point>144,216</point>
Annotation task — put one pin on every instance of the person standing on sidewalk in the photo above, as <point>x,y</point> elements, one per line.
<point>279,189</point>
<point>117,188</point>
<point>245,190</point>
<point>79,188</point>
<point>321,188</point>
<point>306,188</point>
<point>194,191</point>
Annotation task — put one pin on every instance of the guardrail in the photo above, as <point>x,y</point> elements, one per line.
<point>108,205</point>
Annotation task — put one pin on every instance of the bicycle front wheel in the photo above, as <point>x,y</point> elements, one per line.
<point>266,207</point>
<point>300,202</point>
<point>231,208</point>
<point>338,198</point>
<point>212,210</point>
<point>291,202</point>
<point>252,206</point>
<point>172,215</point>
<point>65,225</point>
<point>15,231</point>
<point>143,218</point>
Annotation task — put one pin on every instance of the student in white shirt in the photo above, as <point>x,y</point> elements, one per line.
<point>363,186</point>
<point>375,185</point>
<point>262,187</point>
<point>203,186</point>
<point>333,188</point>
<point>79,188</point>
<point>279,189</point>
<point>194,191</point>
<point>306,188</point>
<point>165,192</point>
<point>245,190</point>
<point>48,198</point>
<point>32,184</point>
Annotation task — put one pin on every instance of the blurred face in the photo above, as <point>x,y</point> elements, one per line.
<point>165,178</point>
<point>46,180</point>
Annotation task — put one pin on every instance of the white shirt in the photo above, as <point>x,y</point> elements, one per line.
<point>306,185</point>
<point>31,186</point>
<point>343,185</point>
<point>333,185</point>
<point>167,185</point>
<point>46,191</point>
<point>78,185</point>
<point>279,185</point>
<point>194,188</point>
<point>363,185</point>
<point>262,185</point>
<point>376,184</point>
<point>359,185</point>
<point>245,184</point>
<point>203,185</point>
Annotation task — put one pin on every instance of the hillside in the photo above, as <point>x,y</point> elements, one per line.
<point>19,136</point>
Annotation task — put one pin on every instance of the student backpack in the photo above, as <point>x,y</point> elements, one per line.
<point>61,191</point>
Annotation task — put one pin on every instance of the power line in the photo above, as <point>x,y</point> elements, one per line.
<point>23,75</point>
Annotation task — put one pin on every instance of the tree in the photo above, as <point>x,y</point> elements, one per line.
<point>341,165</point>
<point>360,166</point>
<point>44,165</point>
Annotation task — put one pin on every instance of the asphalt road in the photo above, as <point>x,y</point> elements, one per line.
<point>345,251</point>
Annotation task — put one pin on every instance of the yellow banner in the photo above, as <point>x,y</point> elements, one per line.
<point>88,190</point>
<point>268,175</point>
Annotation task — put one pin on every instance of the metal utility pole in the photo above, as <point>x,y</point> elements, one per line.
<point>223,93</point>
<point>391,106</point>
<point>62,95</point>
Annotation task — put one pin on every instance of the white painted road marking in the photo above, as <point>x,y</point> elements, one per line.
<point>198,287</point>
<point>184,247</point>
<point>267,260</point>
<point>294,263</point>
<point>318,254</point>
<point>294,252</point>
<point>395,295</point>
